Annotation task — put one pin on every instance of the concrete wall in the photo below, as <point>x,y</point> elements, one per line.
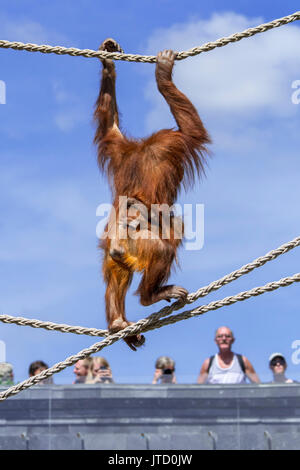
<point>156,417</point>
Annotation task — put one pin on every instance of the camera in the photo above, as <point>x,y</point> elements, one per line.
<point>167,371</point>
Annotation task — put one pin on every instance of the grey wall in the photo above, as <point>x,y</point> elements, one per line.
<point>157,417</point>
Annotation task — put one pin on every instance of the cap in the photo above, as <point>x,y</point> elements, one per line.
<point>6,374</point>
<point>276,354</point>
<point>5,369</point>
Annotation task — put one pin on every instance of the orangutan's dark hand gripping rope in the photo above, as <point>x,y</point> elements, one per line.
<point>145,172</point>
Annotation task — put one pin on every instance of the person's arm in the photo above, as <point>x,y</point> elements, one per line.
<point>157,375</point>
<point>103,375</point>
<point>203,372</point>
<point>289,381</point>
<point>250,372</point>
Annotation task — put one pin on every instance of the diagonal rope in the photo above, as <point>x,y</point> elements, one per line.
<point>46,49</point>
<point>213,286</point>
<point>247,268</point>
<point>145,325</point>
<point>225,302</point>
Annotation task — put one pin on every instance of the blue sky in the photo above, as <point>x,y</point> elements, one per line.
<point>50,267</point>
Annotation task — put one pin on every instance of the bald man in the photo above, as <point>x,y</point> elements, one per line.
<point>226,367</point>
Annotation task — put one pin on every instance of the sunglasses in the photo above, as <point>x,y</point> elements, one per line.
<point>277,361</point>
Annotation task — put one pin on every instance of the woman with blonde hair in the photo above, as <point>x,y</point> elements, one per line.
<point>99,371</point>
<point>81,370</point>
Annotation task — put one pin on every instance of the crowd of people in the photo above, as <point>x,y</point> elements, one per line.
<point>225,367</point>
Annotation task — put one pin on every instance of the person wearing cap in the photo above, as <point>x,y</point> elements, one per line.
<point>226,367</point>
<point>278,366</point>
<point>6,374</point>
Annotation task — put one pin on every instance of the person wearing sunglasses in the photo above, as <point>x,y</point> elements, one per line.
<point>278,366</point>
<point>164,371</point>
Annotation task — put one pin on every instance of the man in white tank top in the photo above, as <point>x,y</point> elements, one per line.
<point>226,367</point>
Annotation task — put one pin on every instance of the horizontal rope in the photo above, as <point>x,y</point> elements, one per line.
<point>215,285</point>
<point>78,330</point>
<point>142,326</point>
<point>46,49</point>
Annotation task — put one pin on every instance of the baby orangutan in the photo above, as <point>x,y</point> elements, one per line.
<point>145,174</point>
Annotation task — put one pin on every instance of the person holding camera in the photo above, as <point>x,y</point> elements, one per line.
<point>99,371</point>
<point>164,371</point>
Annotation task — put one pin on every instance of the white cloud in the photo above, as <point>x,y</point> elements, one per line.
<point>67,119</point>
<point>240,81</point>
<point>243,92</point>
<point>26,30</point>
<point>72,111</point>
<point>61,95</point>
<point>46,220</point>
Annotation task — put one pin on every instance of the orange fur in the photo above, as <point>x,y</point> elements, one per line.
<point>150,171</point>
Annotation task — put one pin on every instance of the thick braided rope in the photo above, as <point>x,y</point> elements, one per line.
<point>46,49</point>
<point>145,325</point>
<point>215,285</point>
<point>226,301</point>
<point>247,268</point>
<point>63,328</point>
